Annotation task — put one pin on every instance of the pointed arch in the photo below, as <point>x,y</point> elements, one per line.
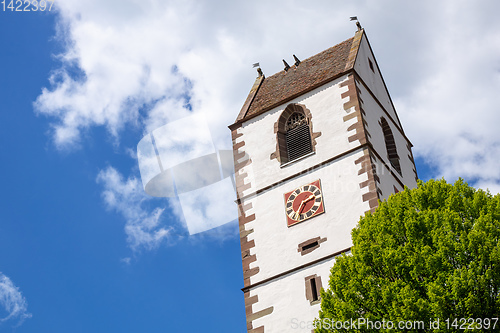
<point>390,145</point>
<point>294,135</point>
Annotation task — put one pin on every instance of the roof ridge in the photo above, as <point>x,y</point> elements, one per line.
<point>312,72</point>
<point>314,55</point>
<point>353,53</point>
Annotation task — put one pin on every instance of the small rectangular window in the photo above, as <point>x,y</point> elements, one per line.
<point>313,289</point>
<point>371,65</point>
<point>310,246</point>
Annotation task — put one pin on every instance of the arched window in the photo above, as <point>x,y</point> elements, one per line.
<point>294,134</point>
<point>390,145</point>
<point>298,136</point>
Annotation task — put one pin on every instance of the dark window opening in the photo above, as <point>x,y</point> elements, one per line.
<point>314,290</point>
<point>390,145</point>
<point>371,65</point>
<point>310,246</point>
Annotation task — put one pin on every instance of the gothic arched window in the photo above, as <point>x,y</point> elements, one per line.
<point>298,136</point>
<point>390,145</point>
<point>294,134</point>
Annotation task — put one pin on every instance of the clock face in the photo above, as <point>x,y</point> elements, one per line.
<point>303,203</point>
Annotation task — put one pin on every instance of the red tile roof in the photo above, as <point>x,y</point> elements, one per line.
<point>311,73</point>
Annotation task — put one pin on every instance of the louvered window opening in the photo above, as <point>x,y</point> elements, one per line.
<point>298,142</point>
<point>390,145</point>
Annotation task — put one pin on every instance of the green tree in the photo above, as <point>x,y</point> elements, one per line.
<point>425,254</point>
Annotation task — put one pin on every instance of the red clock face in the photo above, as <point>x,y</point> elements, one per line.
<point>303,203</point>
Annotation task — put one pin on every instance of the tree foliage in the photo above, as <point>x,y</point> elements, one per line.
<point>428,253</point>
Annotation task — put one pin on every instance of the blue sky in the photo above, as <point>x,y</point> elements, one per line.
<point>60,245</point>
<point>83,248</point>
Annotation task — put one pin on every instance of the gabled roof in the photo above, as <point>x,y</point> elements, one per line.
<point>311,73</point>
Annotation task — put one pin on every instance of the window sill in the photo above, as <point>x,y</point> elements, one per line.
<point>298,159</point>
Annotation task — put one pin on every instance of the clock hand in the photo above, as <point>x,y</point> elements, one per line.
<point>303,202</point>
<point>301,207</point>
<point>309,198</point>
<point>297,212</point>
<point>295,215</point>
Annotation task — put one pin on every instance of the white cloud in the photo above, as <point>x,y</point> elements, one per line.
<point>126,260</point>
<point>209,207</point>
<point>147,63</point>
<point>12,301</point>
<point>144,227</point>
<point>149,52</point>
<point>452,113</point>
<point>147,227</point>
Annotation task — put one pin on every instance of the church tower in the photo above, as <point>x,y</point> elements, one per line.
<point>315,147</point>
